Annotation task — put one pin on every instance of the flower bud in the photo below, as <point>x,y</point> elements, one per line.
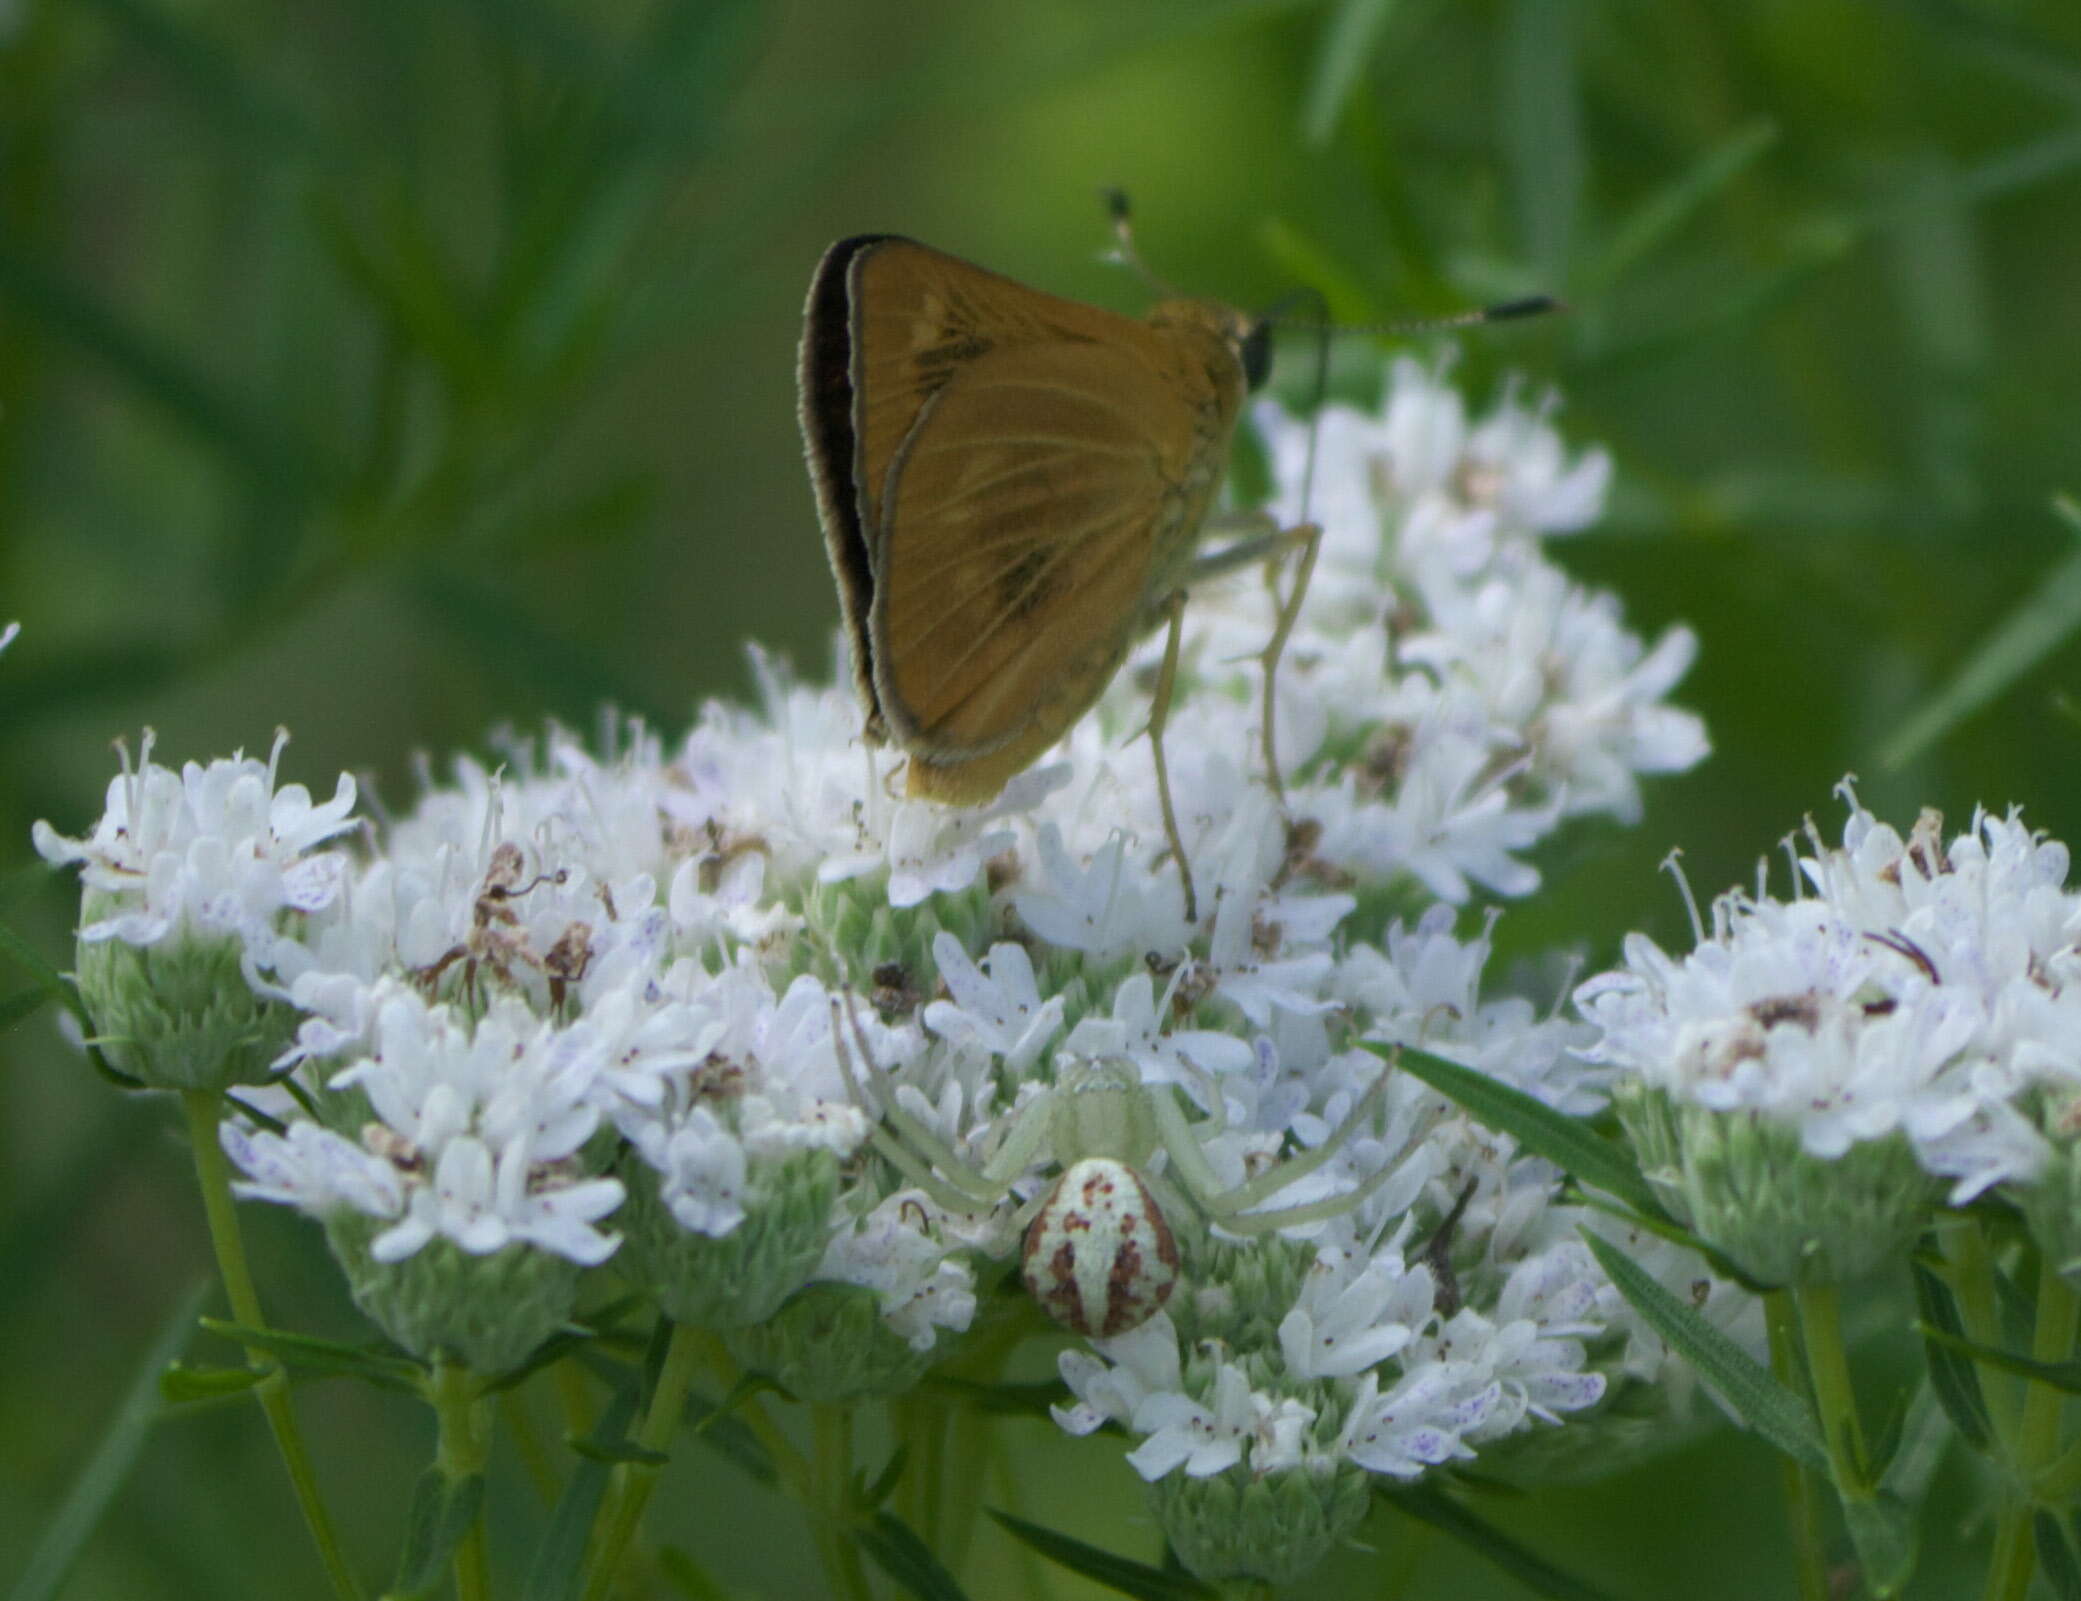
<point>730,1280</point>
<point>1274,1527</point>
<point>1745,1184</point>
<point>442,1303</point>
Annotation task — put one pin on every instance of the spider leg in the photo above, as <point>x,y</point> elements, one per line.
<point>1022,1141</point>
<point>944,1191</point>
<point>960,1178</point>
<point>1198,1174</point>
<point>1293,1217</point>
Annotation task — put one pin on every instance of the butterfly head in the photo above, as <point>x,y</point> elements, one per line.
<point>1248,338</point>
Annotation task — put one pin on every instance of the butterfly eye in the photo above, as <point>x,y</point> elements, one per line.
<point>1256,354</point>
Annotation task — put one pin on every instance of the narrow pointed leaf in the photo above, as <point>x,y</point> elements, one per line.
<point>1953,1378</point>
<point>1925,1439</point>
<point>2040,624</point>
<point>899,1553</point>
<point>718,1428</point>
<point>22,1004</point>
<point>2056,1556</point>
<point>1349,38</point>
<point>558,1567</point>
<point>1666,211</point>
<point>612,1453</point>
<point>311,1355</point>
<point>239,428</point>
<point>687,1577</point>
<point>32,961</point>
<point>1427,1504</point>
<point>1136,1579</point>
<point>1005,1399</point>
<point>181,1385</point>
<point>2060,1375</point>
<point>441,1513</point>
<point>1567,1142</point>
<point>67,1529</point>
<point>1743,1383</point>
<point>1882,1530</point>
<point>885,1482</point>
<point>1541,134</point>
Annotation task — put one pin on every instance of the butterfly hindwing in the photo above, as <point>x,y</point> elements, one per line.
<point>1021,522</point>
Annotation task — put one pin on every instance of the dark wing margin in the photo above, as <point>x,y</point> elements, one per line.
<point>827,402</point>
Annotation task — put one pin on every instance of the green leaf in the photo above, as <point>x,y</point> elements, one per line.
<point>614,1452</point>
<point>67,1529</point>
<point>729,1436</point>
<point>326,1358</point>
<point>31,961</point>
<point>885,1482</point>
<point>441,1513</point>
<point>558,1566</point>
<point>1926,1433</point>
<point>51,678</point>
<point>2064,1376</point>
<point>1350,37</point>
<point>1542,129</point>
<point>520,646</point>
<point>1102,1567</point>
<point>1882,1529</point>
<point>570,1338</point>
<point>1953,1379</point>
<point>182,1385</point>
<point>254,117</point>
<point>1658,218</point>
<point>1567,1142</point>
<point>2032,631</point>
<point>1744,1384</point>
<point>687,1577</point>
<point>242,430</point>
<point>22,1004</point>
<point>899,1553</point>
<point>1306,259</point>
<point>1004,1398</point>
<point>2056,1556</point>
<point>1428,1504</point>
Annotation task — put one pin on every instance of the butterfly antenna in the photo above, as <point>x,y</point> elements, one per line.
<point>1123,250</point>
<point>1502,311</point>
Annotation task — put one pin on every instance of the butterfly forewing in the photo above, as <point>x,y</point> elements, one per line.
<point>1011,484</point>
<point>1016,548</point>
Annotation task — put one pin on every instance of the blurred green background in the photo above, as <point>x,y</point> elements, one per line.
<point>387,372</point>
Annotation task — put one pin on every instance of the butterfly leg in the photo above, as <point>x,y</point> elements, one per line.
<point>1159,715</point>
<point>1310,537</point>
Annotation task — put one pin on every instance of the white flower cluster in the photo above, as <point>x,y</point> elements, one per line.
<point>214,850</point>
<point>786,1031</point>
<point>1916,987</point>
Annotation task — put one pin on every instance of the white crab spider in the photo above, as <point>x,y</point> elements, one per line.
<point>1099,1253</point>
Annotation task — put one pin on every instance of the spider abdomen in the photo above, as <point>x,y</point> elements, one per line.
<point>1099,1257</point>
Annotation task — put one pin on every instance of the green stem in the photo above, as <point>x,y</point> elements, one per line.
<point>2060,1481</point>
<point>460,1454</point>
<point>920,1424</point>
<point>2059,1320</point>
<point>213,1177</point>
<point>2036,1444</point>
<point>629,1491</point>
<point>1802,1500</point>
<point>968,1444</point>
<point>787,1461</point>
<point>1969,1269</point>
<point>831,1426</point>
<point>2014,1561</point>
<point>1828,1367</point>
